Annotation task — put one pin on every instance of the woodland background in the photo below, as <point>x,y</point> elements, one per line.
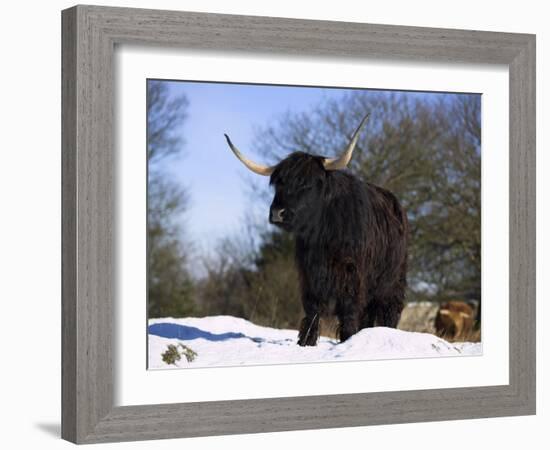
<point>425,149</point>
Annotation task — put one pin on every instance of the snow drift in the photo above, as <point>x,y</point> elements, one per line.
<point>231,341</point>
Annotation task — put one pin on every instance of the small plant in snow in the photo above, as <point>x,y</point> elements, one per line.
<point>189,354</point>
<point>173,354</point>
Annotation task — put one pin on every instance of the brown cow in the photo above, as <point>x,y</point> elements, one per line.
<point>454,320</point>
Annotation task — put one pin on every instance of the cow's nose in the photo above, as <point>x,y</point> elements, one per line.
<point>277,215</point>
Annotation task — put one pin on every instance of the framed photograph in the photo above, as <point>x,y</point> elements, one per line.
<point>268,222</point>
<point>290,276</point>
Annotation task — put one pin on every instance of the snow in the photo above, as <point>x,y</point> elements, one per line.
<point>231,341</point>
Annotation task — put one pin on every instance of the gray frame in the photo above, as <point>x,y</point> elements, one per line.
<point>90,34</point>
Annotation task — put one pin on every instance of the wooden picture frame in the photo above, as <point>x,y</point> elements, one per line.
<point>90,34</point>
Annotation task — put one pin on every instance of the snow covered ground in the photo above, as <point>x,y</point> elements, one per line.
<point>231,341</point>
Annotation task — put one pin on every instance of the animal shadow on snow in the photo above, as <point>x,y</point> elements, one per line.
<point>188,333</point>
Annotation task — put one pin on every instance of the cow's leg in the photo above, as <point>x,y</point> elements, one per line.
<point>389,311</point>
<point>348,317</point>
<point>350,306</point>
<point>309,328</point>
<point>392,300</point>
<point>369,314</point>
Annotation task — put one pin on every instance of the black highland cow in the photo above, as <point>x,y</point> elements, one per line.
<point>351,241</point>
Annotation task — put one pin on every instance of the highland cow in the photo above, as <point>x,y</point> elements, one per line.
<point>351,240</point>
<point>455,320</point>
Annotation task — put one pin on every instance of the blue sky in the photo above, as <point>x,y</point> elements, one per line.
<point>214,178</point>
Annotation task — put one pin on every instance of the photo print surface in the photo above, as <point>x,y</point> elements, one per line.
<point>294,224</point>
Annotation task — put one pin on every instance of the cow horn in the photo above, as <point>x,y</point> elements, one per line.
<point>256,168</point>
<point>342,161</point>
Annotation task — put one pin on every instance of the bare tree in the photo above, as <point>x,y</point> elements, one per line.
<point>170,288</point>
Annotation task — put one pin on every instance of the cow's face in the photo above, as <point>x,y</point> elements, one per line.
<point>298,183</point>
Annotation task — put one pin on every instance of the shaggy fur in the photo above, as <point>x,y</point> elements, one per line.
<point>351,245</point>
<point>454,320</point>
